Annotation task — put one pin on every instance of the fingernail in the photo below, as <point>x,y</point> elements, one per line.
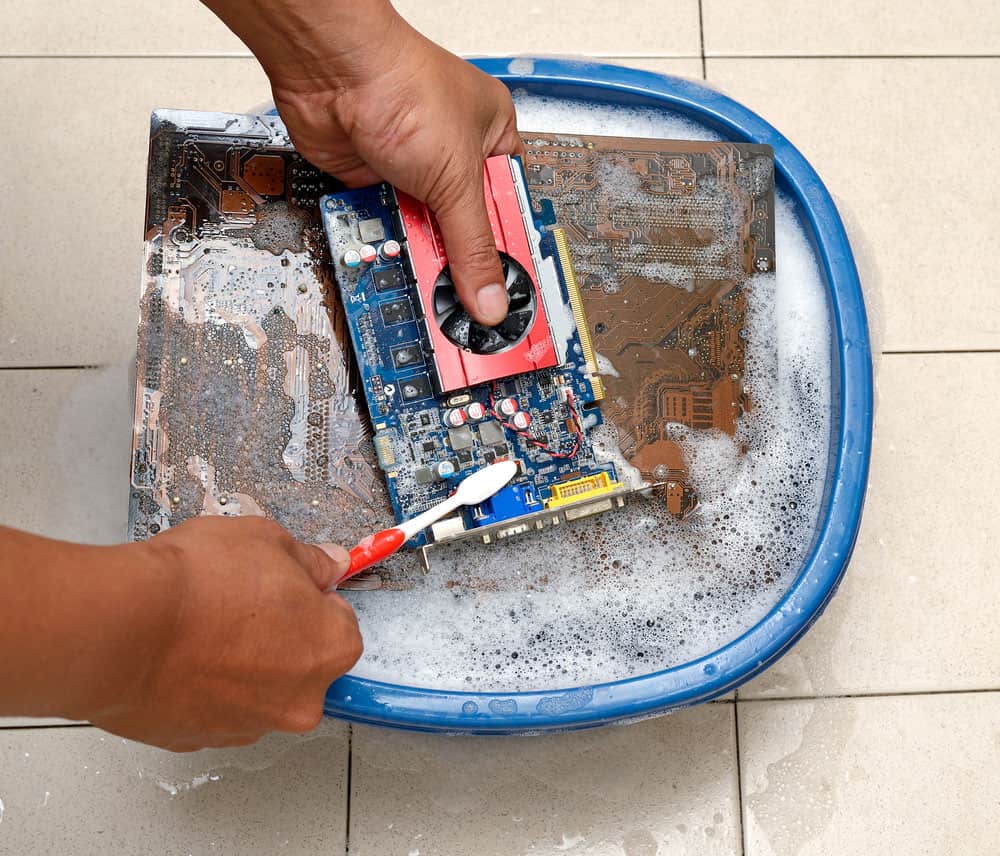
<point>492,303</point>
<point>337,553</point>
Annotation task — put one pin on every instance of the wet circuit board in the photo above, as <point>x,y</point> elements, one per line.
<point>664,236</point>
<point>246,384</point>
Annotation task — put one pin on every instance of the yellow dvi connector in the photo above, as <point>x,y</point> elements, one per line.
<point>580,490</point>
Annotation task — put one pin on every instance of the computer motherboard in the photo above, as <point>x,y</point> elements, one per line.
<point>261,391</point>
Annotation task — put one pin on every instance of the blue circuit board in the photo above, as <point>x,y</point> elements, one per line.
<point>418,444</point>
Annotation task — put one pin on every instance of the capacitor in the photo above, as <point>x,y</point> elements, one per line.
<point>521,420</point>
<point>352,259</point>
<point>368,254</point>
<point>391,250</point>
<point>475,411</point>
<point>455,418</point>
<point>507,407</point>
<point>444,470</point>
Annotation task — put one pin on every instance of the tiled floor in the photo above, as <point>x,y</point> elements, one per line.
<point>879,731</point>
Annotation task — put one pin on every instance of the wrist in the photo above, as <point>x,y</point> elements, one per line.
<point>79,625</point>
<point>129,604</point>
<point>144,596</point>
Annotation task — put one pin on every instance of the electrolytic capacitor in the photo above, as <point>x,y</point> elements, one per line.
<point>521,420</point>
<point>475,411</point>
<point>507,407</point>
<point>444,470</point>
<point>368,254</point>
<point>455,418</point>
<point>391,250</point>
<point>352,259</point>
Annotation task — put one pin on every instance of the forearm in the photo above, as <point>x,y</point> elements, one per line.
<point>78,624</point>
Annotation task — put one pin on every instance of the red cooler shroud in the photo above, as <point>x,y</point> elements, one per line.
<point>455,367</point>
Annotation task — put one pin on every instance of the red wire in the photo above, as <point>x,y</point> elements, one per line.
<point>538,443</point>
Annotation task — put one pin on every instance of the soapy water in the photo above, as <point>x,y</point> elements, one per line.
<point>636,591</point>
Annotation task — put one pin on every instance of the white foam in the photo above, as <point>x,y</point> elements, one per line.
<point>637,591</point>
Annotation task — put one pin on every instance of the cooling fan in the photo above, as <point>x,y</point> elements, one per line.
<point>458,326</point>
<point>464,353</point>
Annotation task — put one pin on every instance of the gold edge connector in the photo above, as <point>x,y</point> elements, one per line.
<point>576,303</point>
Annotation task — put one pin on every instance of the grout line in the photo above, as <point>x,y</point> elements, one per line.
<point>350,768</point>
<point>44,725</point>
<point>739,779</point>
<point>612,55</point>
<point>126,56</point>
<point>59,368</point>
<point>701,35</point>
<point>851,56</point>
<point>902,694</point>
<point>942,351</point>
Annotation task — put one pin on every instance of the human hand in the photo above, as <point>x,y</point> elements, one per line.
<point>366,98</point>
<point>252,642</point>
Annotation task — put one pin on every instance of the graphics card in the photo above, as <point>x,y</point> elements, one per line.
<point>466,354</point>
<point>447,395</point>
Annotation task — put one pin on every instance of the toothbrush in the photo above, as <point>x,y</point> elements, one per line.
<point>474,489</point>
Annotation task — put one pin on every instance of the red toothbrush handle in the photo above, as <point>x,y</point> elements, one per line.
<point>374,549</point>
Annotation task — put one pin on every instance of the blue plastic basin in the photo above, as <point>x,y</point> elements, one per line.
<point>380,703</point>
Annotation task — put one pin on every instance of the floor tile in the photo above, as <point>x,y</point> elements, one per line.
<point>80,791</point>
<point>662,786</point>
<point>115,28</point>
<point>885,135</point>
<point>74,195</point>
<point>689,67</point>
<point>590,27</point>
<point>869,27</point>
<point>912,774</point>
<point>66,438</point>
<point>120,27</point>
<point>916,611</point>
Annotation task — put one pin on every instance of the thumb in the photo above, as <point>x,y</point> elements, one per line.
<point>472,252</point>
<point>325,563</point>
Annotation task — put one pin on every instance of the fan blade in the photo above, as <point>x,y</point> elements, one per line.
<point>519,290</point>
<point>485,340</point>
<point>457,327</point>
<point>513,326</point>
<point>445,298</point>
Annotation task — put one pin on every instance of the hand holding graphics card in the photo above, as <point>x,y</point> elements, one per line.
<point>366,98</point>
